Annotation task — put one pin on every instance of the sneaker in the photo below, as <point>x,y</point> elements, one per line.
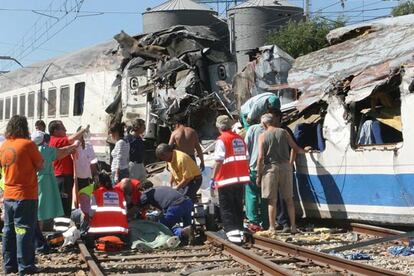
<point>173,242</point>
<point>188,233</point>
<point>279,227</point>
<point>254,228</point>
<point>286,229</point>
<point>11,271</point>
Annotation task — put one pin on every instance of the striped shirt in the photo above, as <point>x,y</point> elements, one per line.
<point>120,155</point>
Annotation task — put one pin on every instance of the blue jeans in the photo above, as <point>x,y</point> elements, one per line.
<point>40,242</point>
<point>20,218</point>
<point>176,214</point>
<point>77,218</point>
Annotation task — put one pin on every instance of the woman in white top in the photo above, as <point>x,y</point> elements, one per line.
<point>120,153</point>
<point>86,163</point>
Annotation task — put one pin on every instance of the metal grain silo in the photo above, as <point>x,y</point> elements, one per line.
<point>177,12</point>
<point>251,22</point>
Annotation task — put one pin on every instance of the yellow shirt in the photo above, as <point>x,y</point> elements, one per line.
<point>183,167</point>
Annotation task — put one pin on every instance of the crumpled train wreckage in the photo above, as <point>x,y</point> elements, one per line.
<point>186,73</point>
<point>172,76</point>
<point>363,70</point>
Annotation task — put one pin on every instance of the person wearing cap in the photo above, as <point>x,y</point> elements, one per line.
<point>185,174</point>
<point>257,106</point>
<point>230,173</point>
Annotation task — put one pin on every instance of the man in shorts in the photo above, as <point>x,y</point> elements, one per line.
<point>274,171</point>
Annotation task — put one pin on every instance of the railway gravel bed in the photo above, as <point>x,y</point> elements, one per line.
<point>325,238</point>
<point>62,261</point>
<point>194,260</point>
<point>219,257</point>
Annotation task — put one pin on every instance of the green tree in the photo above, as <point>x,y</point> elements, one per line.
<point>303,37</point>
<point>403,8</point>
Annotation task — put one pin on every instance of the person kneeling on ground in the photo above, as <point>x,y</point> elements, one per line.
<point>130,188</point>
<point>175,206</point>
<point>107,213</point>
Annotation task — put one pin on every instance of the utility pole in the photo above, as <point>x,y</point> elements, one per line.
<point>307,7</point>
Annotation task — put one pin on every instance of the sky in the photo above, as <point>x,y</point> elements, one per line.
<point>40,29</point>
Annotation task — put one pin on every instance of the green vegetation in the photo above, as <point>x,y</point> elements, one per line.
<point>403,8</point>
<point>303,37</point>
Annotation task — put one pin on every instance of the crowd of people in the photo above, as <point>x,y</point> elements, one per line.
<point>53,175</point>
<point>48,176</point>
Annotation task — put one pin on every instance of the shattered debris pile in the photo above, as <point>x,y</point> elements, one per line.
<point>268,72</point>
<point>173,75</point>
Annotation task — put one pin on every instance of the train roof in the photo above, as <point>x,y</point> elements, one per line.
<point>101,57</point>
<point>367,53</point>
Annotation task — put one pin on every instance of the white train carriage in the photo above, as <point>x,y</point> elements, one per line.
<point>74,88</point>
<point>367,77</point>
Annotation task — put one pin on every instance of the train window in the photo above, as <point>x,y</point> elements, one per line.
<point>22,106</point>
<point>64,100</point>
<point>40,103</point>
<point>79,99</point>
<point>14,105</point>
<point>377,118</point>
<point>8,101</point>
<point>30,105</point>
<point>51,102</point>
<point>1,108</point>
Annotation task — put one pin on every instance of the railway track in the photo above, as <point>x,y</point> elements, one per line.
<point>260,256</point>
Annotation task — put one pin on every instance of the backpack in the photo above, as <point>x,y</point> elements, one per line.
<point>109,244</point>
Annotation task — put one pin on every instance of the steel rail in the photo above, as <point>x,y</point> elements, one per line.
<point>373,230</point>
<point>254,261</point>
<point>320,258</point>
<point>94,269</point>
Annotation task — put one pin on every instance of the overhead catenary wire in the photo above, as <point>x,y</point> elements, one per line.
<point>36,40</point>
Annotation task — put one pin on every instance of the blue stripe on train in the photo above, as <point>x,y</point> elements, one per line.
<point>358,189</point>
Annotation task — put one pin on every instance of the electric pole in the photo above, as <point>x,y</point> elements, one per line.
<point>307,7</point>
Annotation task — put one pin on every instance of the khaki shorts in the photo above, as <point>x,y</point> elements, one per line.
<point>277,177</point>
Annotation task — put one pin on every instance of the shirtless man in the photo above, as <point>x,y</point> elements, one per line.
<point>186,140</point>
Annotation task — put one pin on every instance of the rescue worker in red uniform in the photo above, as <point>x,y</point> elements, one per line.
<point>108,210</point>
<point>230,172</point>
<point>130,188</point>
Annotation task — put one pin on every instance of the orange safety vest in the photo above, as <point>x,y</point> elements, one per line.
<point>136,195</point>
<point>235,168</point>
<point>110,212</point>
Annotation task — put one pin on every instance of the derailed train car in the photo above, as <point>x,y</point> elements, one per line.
<point>356,111</point>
